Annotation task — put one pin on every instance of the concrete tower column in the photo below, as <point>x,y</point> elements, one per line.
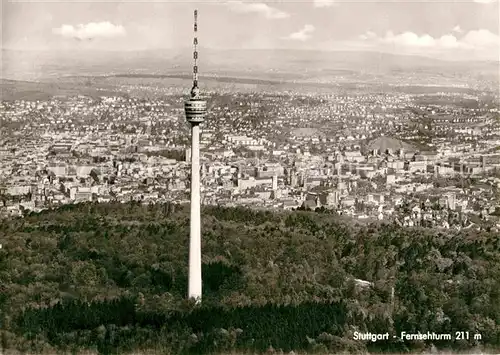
<point>194,288</point>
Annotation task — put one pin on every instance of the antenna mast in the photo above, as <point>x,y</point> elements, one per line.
<point>195,91</point>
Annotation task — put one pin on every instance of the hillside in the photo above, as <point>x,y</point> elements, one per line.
<point>384,143</point>
<point>112,278</point>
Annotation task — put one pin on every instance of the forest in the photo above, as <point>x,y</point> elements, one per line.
<point>112,278</point>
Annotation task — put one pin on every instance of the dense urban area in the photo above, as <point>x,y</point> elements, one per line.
<point>429,159</point>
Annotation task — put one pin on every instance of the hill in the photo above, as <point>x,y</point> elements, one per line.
<point>112,278</point>
<point>384,143</point>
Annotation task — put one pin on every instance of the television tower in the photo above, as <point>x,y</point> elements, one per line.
<point>195,108</point>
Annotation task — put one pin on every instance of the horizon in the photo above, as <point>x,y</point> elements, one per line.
<point>188,49</point>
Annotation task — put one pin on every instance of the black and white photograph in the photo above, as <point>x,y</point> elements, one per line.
<point>233,177</point>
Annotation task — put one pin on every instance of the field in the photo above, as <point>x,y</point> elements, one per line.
<point>25,90</point>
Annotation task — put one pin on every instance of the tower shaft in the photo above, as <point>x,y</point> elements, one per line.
<point>195,108</point>
<point>195,288</point>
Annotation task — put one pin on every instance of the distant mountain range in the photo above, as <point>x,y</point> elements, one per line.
<point>300,64</point>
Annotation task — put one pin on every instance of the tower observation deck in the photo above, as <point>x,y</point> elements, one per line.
<point>195,107</point>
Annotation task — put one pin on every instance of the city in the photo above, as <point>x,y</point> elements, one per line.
<point>386,157</point>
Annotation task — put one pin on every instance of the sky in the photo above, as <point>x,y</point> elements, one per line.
<point>446,29</point>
